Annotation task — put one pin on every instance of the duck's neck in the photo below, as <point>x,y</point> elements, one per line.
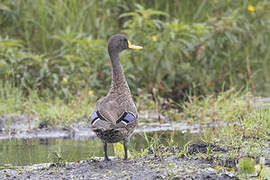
<point>119,83</point>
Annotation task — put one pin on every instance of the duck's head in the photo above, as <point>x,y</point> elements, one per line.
<point>119,42</point>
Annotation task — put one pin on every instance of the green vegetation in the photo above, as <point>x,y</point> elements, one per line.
<point>244,125</point>
<point>189,47</point>
<point>245,118</point>
<point>50,109</point>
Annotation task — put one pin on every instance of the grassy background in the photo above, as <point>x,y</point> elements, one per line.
<point>190,47</point>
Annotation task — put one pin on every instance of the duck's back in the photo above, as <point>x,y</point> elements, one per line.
<point>114,117</point>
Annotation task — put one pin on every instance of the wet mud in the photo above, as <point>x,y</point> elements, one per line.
<point>167,164</point>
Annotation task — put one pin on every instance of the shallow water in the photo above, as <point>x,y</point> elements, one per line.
<point>19,152</point>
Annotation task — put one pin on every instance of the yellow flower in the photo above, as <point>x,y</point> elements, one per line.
<point>64,80</point>
<point>217,167</point>
<point>251,8</point>
<point>90,92</point>
<point>154,38</point>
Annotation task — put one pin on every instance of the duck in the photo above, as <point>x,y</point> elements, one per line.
<point>115,117</point>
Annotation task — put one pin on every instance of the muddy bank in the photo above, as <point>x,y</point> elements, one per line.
<point>167,163</point>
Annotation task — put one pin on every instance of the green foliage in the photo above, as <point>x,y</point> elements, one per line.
<point>62,73</point>
<point>248,116</point>
<point>242,124</point>
<point>189,47</point>
<point>57,158</point>
<point>225,107</point>
<point>153,144</point>
<point>203,57</point>
<point>185,150</point>
<point>246,166</point>
<point>11,99</point>
<point>50,109</point>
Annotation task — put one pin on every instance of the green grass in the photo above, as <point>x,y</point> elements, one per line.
<point>54,111</point>
<point>244,128</point>
<point>11,99</point>
<point>240,115</point>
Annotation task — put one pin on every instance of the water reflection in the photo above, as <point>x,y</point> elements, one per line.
<point>34,151</point>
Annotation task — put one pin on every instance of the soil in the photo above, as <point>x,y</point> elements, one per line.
<point>165,164</point>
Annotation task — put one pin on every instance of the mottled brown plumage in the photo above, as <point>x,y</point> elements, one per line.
<point>115,116</point>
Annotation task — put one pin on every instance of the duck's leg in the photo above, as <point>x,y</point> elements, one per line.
<point>105,152</point>
<point>126,148</point>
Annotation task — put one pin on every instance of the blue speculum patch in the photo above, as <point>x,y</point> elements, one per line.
<point>129,117</point>
<point>94,116</point>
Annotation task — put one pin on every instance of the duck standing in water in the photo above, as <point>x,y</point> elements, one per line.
<point>114,116</point>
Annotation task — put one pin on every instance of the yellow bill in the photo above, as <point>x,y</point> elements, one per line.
<point>131,46</point>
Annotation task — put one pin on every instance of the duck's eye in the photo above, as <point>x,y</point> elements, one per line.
<point>126,42</point>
